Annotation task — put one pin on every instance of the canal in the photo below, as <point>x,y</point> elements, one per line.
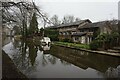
<point>36,61</point>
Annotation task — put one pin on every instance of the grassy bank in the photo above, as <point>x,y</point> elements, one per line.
<point>83,46</point>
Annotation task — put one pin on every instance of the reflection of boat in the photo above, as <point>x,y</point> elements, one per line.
<point>46,52</point>
<point>111,72</point>
<point>46,49</point>
<point>45,41</point>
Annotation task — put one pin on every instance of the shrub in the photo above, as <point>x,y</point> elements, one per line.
<point>107,41</point>
<point>52,34</point>
<point>95,45</point>
<point>66,40</point>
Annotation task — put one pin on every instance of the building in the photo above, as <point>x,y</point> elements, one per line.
<point>90,31</point>
<point>66,31</point>
<point>85,31</point>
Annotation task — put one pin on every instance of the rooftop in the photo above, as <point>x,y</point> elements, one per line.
<point>99,24</point>
<point>71,24</point>
<point>79,34</point>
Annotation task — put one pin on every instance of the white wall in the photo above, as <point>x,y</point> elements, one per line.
<point>83,39</point>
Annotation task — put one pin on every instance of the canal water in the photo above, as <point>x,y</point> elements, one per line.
<point>36,61</point>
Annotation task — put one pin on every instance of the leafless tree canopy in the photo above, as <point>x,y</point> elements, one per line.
<point>19,12</point>
<point>69,19</point>
<point>55,20</point>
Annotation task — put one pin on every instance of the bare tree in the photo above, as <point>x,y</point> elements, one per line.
<point>17,13</point>
<point>112,25</point>
<point>113,29</point>
<point>77,19</point>
<point>68,19</point>
<point>54,19</point>
<point>20,13</point>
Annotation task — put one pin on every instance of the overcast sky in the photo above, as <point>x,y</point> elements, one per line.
<point>94,10</point>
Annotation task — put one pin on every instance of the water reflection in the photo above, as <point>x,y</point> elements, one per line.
<point>46,47</point>
<point>38,61</point>
<point>85,60</point>
<point>6,40</point>
<point>30,49</point>
<point>113,72</point>
<point>23,52</point>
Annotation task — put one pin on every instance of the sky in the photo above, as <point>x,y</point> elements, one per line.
<point>95,10</point>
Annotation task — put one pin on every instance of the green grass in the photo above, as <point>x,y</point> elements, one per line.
<point>76,45</point>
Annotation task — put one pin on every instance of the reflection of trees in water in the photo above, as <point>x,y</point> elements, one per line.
<point>52,59</point>
<point>118,68</point>
<point>44,60</point>
<point>64,62</point>
<point>26,56</point>
<point>6,40</point>
<point>25,59</point>
<point>48,59</point>
<point>113,72</point>
<point>84,59</point>
<point>32,52</point>
<point>16,43</point>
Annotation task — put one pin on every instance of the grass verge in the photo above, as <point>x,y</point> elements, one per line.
<point>76,45</point>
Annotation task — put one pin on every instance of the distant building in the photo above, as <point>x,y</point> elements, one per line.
<point>66,31</point>
<point>85,31</point>
<point>90,31</point>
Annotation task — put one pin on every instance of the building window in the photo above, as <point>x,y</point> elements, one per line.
<point>82,30</point>
<point>76,38</point>
<point>63,33</point>
<point>60,33</point>
<point>67,33</point>
<point>70,33</point>
<point>73,32</point>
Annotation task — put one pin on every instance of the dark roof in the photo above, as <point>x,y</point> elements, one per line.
<point>51,27</point>
<point>98,24</point>
<point>79,34</point>
<point>74,23</point>
<point>71,24</point>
